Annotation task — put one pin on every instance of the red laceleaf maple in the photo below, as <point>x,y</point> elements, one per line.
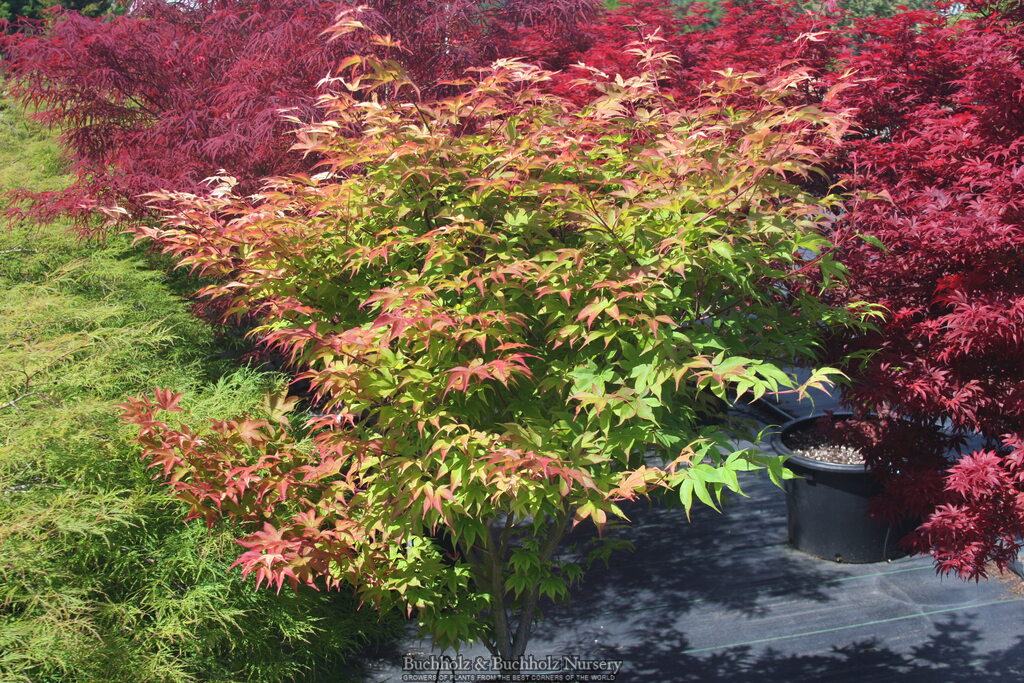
<point>171,92</point>
<point>944,158</point>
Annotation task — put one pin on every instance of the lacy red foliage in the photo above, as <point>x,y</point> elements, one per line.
<point>751,36</point>
<point>170,93</point>
<point>603,45</point>
<point>768,36</point>
<point>943,159</point>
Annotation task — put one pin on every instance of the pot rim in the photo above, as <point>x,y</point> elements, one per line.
<point>810,463</point>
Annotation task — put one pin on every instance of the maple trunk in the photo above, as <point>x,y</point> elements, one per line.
<point>513,623</point>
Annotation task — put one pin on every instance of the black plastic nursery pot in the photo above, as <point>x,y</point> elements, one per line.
<point>827,507</point>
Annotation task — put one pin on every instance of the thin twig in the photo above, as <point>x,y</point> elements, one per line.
<point>18,251</point>
<point>40,394</point>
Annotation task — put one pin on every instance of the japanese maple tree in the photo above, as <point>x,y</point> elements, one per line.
<point>511,310</point>
<point>941,163</point>
<point>935,155</point>
<point>171,92</point>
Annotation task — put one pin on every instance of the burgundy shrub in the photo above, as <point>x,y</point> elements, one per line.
<point>942,165</point>
<point>168,94</point>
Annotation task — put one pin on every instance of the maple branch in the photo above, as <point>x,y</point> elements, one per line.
<point>481,574</point>
<point>13,403</point>
<point>529,609</point>
<point>502,636</point>
<point>808,264</point>
<point>505,534</point>
<point>610,231</point>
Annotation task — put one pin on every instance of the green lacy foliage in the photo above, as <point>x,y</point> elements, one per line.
<point>513,310</point>
<point>715,9</point>
<point>99,578</point>
<point>33,9</point>
<point>883,8</point>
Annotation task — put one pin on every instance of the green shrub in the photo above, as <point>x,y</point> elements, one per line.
<point>99,578</point>
<point>515,310</point>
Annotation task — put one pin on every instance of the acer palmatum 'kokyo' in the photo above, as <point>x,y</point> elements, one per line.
<point>504,302</point>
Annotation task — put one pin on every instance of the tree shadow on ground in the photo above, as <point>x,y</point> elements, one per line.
<point>950,653</point>
<point>737,560</point>
<point>731,578</point>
